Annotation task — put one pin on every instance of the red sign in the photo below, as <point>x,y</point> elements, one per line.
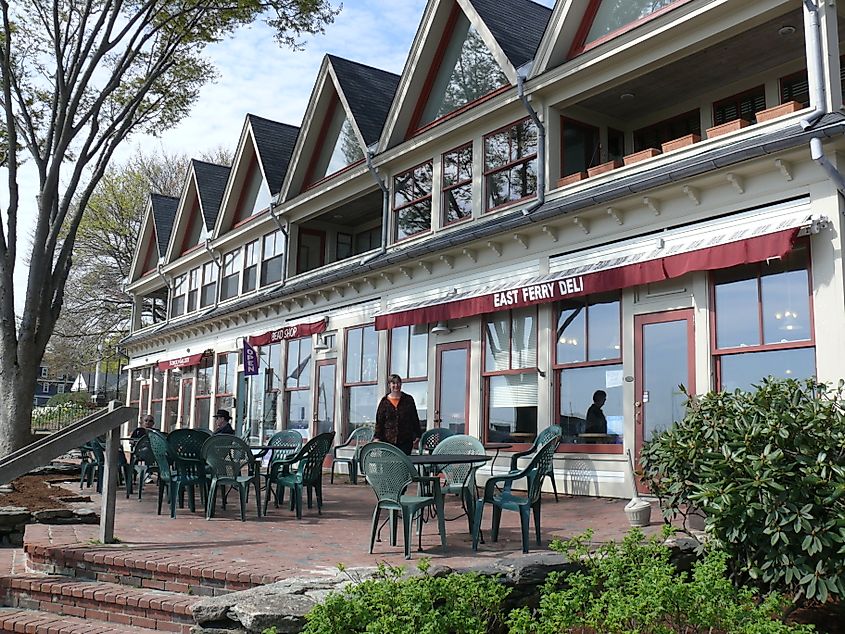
<point>181,362</point>
<point>288,332</point>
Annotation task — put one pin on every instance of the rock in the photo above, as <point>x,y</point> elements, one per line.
<point>47,516</point>
<point>13,515</point>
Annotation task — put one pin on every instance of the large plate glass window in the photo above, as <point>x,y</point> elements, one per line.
<point>360,378</point>
<point>412,201</point>
<point>763,321</point>
<point>202,402</point>
<point>171,401</point>
<point>409,359</point>
<point>510,164</point>
<point>227,365</point>
<point>297,385</point>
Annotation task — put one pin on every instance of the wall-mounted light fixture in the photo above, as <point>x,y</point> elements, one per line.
<point>440,328</point>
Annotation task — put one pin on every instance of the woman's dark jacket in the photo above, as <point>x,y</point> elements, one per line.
<point>398,425</point>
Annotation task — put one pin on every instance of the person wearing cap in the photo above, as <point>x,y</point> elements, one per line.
<point>223,422</point>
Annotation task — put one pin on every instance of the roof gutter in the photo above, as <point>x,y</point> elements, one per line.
<point>284,229</point>
<point>541,143</point>
<point>385,208</point>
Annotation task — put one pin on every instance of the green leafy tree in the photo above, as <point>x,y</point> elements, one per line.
<point>78,78</point>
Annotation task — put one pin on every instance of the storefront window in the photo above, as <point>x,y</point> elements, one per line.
<point>224,395</point>
<point>360,376</point>
<point>409,359</point>
<point>157,394</point>
<point>510,374</point>
<point>297,385</point>
<point>763,321</point>
<point>202,404</point>
<point>588,368</point>
<point>171,403</point>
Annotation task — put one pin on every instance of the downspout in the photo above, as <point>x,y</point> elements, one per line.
<point>815,65</point>
<point>385,208</point>
<point>817,153</point>
<point>541,145</point>
<point>284,229</point>
<point>215,257</point>
<point>167,284</point>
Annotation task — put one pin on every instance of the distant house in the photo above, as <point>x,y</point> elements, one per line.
<point>50,385</point>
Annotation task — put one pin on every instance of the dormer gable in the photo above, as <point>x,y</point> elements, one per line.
<point>464,51</point>
<point>154,235</point>
<point>345,115</point>
<point>261,162</point>
<point>198,207</point>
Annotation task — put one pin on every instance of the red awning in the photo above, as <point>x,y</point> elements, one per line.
<point>288,332</point>
<point>181,362</point>
<point>560,286</point>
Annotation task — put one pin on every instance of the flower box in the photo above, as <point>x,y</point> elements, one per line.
<point>642,155</point>
<point>779,111</point>
<point>604,167</point>
<point>724,128</point>
<point>563,181</point>
<point>680,142</point>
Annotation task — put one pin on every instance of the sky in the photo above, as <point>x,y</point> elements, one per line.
<point>257,76</point>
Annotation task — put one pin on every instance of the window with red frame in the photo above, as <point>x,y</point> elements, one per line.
<point>588,358</point>
<point>457,184</point>
<point>409,359</point>
<point>360,377</point>
<point>412,201</point>
<point>170,415</point>
<point>510,164</point>
<point>298,385</point>
<point>224,392</point>
<point>605,19</point>
<point>510,375</point>
<point>202,392</point>
<point>157,394</point>
<point>763,323</point>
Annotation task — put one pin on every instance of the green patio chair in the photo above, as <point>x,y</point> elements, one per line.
<point>93,466</point>
<point>177,473</point>
<point>389,472</point>
<point>308,474</point>
<point>460,478</point>
<point>231,464</point>
<point>285,444</point>
<point>357,439</point>
<point>552,431</point>
<point>141,464</point>
<point>432,437</point>
<point>506,499</point>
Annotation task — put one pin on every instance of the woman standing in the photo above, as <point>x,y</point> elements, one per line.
<point>397,421</point>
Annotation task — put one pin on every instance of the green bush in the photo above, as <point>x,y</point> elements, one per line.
<point>390,602</point>
<point>767,468</point>
<point>633,588</point>
<point>81,398</point>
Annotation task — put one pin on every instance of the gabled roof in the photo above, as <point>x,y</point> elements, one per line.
<point>510,29</point>
<point>369,92</point>
<point>274,144</point>
<point>365,94</point>
<point>211,184</point>
<point>164,212</point>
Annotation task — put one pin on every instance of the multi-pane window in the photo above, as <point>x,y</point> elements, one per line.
<point>180,291</point>
<point>157,394</point>
<point>202,401</point>
<point>361,376</point>
<point>457,184</point>
<point>231,274</point>
<point>409,359</point>
<point>610,16</point>
<point>510,375</point>
<point>264,390</point>
<point>171,401</point>
<point>654,135</point>
<point>412,201</point>
<point>224,394</point>
<point>193,289</point>
<point>510,164</point>
<point>250,266</point>
<point>588,359</point>
<point>580,146</point>
<point>153,308</point>
<point>272,258</point>
<point>763,321</point>
<point>742,106</point>
<point>297,385</point>
<point>208,292</point>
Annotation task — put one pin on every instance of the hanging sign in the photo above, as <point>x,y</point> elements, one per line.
<point>288,332</point>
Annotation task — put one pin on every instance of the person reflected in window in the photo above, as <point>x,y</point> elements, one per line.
<point>223,422</point>
<point>397,421</point>
<point>596,422</point>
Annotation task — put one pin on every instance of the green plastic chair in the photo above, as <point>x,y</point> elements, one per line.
<point>460,478</point>
<point>357,439</point>
<point>231,464</point>
<point>506,499</point>
<point>552,431</point>
<point>93,466</point>
<point>141,464</point>
<point>177,472</point>
<point>308,474</point>
<point>432,437</point>
<point>285,444</point>
<point>389,472</point>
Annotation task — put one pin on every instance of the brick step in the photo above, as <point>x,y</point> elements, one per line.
<point>98,601</point>
<point>37,622</point>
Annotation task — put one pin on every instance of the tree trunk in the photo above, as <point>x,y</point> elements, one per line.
<point>17,389</point>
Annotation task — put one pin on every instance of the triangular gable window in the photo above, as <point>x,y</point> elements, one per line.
<point>196,232</point>
<point>340,145</point>
<point>608,17</point>
<point>467,72</point>
<point>256,196</point>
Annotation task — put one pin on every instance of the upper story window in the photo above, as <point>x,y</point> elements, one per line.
<point>467,71</point>
<point>250,260</point>
<point>193,289</point>
<point>457,184</point>
<point>580,146</point>
<point>412,201</point>
<point>272,258</point>
<point>654,135</point>
<point>180,291</point>
<point>154,307</point>
<point>743,106</point>
<point>208,292</point>
<point>231,274</point>
<point>606,18</point>
<point>510,164</point>
<point>42,370</point>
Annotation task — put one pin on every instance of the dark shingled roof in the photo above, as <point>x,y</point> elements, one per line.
<point>211,183</point>
<point>369,92</point>
<point>275,143</point>
<point>517,25</point>
<point>164,212</point>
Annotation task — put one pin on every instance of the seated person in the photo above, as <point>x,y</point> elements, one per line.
<point>596,421</point>
<point>147,422</point>
<point>222,422</point>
